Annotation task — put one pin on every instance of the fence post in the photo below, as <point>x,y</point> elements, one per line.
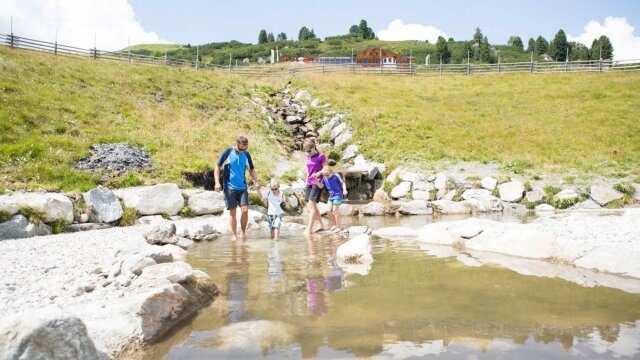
<point>198,55</point>
<point>323,68</point>
<point>600,65</point>
<point>498,64</point>
<point>531,70</point>
<point>55,48</point>
<point>11,40</point>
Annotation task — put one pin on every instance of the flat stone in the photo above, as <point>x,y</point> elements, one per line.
<point>416,207</point>
<point>207,202</point>
<point>395,232</point>
<point>545,207</point>
<point>420,195</point>
<point>104,204</point>
<point>153,200</point>
<point>604,195</point>
<point>344,137</point>
<point>448,207</point>
<point>401,190</point>
<point>176,272</point>
<point>586,205</point>
<point>535,195</point>
<point>488,183</point>
<point>53,206</point>
<point>511,191</point>
<point>566,194</point>
<point>356,250</point>
<point>350,152</point>
<point>373,208</point>
<point>19,227</point>
<point>440,181</point>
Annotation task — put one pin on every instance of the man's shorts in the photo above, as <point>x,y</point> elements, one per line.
<point>334,201</point>
<point>235,198</point>
<point>312,193</point>
<point>274,221</point>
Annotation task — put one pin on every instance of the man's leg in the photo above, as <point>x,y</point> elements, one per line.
<point>244,219</point>
<point>233,224</point>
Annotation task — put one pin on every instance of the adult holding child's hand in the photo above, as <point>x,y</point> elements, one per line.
<point>315,162</point>
<point>233,162</point>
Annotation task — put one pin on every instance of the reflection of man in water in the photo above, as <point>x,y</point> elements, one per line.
<point>237,279</point>
<point>275,269</point>
<point>316,302</point>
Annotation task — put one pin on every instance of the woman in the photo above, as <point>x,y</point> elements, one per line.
<point>315,162</point>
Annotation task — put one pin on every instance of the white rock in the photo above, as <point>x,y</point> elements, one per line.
<point>415,207</point>
<point>488,183</point>
<point>449,195</point>
<point>104,204</point>
<point>176,272</point>
<point>344,137</point>
<point>357,249</point>
<point>350,152</point>
<point>84,218</point>
<point>611,260</point>
<point>604,195</point>
<point>184,243</point>
<point>395,232</point>
<point>302,95</point>
<point>337,130</point>
<point>358,230</point>
<point>347,210</point>
<point>441,181</point>
<point>151,220</point>
<point>420,195</point>
<point>153,200</point>
<point>586,205</point>
<point>511,191</point>
<point>53,206</point>
<point>535,195</point>
<point>401,190</point>
<point>19,227</point>
<point>10,209</point>
<point>293,201</point>
<point>373,208</point>
<point>636,188</point>
<point>545,207</point>
<point>199,228</point>
<point>566,194</point>
<point>422,186</point>
<point>207,202</point>
<point>448,207</point>
<point>159,254</point>
<point>515,240</point>
<point>437,233</point>
<point>322,208</point>
<point>135,263</point>
<point>177,252</point>
<point>162,234</point>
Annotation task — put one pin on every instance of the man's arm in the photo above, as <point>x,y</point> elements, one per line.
<point>254,176</point>
<point>216,176</point>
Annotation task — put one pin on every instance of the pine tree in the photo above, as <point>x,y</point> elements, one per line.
<point>282,37</point>
<point>442,49</point>
<point>542,46</point>
<point>270,37</point>
<point>484,51</point>
<point>558,47</point>
<point>364,29</point>
<point>477,37</point>
<point>354,30</point>
<point>516,43</point>
<point>531,46</point>
<point>262,37</point>
<point>312,34</point>
<point>303,34</point>
<point>607,48</point>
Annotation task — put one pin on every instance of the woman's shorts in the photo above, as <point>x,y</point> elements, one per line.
<point>312,193</point>
<point>274,221</point>
<point>334,201</point>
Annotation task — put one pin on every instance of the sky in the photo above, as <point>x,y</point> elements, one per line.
<point>113,24</point>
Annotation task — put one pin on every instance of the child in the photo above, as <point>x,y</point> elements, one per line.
<point>337,191</point>
<point>275,199</point>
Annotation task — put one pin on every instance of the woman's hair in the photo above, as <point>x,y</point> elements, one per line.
<point>309,144</point>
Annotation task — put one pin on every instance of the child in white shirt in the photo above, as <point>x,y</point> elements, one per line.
<point>275,201</point>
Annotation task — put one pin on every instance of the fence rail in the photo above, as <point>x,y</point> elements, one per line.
<point>293,68</point>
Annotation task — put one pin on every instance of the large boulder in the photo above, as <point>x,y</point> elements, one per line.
<point>162,234</point>
<point>19,227</point>
<point>373,208</point>
<point>483,200</point>
<point>104,204</point>
<point>448,207</point>
<point>46,334</point>
<point>604,195</point>
<point>422,186</point>
<point>53,206</point>
<point>9,209</point>
<point>337,130</point>
<point>350,152</point>
<point>515,240</point>
<point>177,272</point>
<point>535,195</point>
<point>357,249</point>
<point>636,189</point>
<point>347,210</point>
<point>344,137</point>
<point>440,181</point>
<point>153,200</point>
<point>416,207</point>
<point>511,191</point>
<point>401,190</point>
<point>207,202</point>
<point>421,195</point>
<point>488,183</point>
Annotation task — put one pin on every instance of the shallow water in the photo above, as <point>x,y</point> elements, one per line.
<point>289,299</point>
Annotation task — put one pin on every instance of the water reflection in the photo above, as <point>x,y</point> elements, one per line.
<point>291,298</point>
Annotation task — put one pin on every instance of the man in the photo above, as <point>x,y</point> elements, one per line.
<point>234,161</point>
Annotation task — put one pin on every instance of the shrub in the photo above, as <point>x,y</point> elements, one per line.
<point>517,166</point>
<point>129,179</point>
<point>289,176</point>
<point>187,212</point>
<point>34,216</point>
<point>458,195</point>
<point>59,226</point>
<point>280,129</point>
<point>4,216</point>
<point>334,155</point>
<point>129,216</point>
<point>255,199</point>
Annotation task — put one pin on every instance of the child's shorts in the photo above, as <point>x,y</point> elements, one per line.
<point>335,202</point>
<point>274,221</point>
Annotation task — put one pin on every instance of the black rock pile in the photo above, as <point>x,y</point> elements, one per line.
<point>116,158</point>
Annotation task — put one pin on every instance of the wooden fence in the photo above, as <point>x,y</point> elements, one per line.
<point>295,68</point>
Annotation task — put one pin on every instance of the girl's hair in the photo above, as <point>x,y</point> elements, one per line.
<point>274,183</point>
<point>309,144</point>
<point>326,170</point>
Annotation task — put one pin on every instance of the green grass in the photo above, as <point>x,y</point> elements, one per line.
<point>129,216</point>
<point>4,216</point>
<point>524,122</point>
<point>187,212</point>
<point>54,108</point>
<point>34,215</point>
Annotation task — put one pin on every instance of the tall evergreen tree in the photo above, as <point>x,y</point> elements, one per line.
<point>282,37</point>
<point>312,34</point>
<point>531,45</point>
<point>558,49</point>
<point>442,49</point>
<point>516,43</point>
<point>270,37</point>
<point>477,37</point>
<point>304,33</point>
<point>603,43</point>
<point>262,37</point>
<point>542,46</point>
<point>354,30</point>
<point>484,51</point>
<point>578,52</point>
<point>365,30</point>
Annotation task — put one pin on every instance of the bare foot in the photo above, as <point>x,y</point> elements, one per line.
<point>244,236</point>
<point>332,228</point>
<point>337,230</point>
<point>234,238</point>
<point>320,229</point>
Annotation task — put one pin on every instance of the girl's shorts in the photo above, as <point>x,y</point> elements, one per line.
<point>335,202</point>
<point>274,221</point>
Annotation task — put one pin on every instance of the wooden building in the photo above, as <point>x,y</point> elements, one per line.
<point>374,54</point>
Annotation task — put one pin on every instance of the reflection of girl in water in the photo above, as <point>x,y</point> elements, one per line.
<point>316,301</point>
<point>333,282</point>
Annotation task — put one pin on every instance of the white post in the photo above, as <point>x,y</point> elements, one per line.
<point>468,63</point>
<point>531,62</point>
<point>566,63</point>
<point>229,62</point>
<point>55,44</point>
<point>197,55</point>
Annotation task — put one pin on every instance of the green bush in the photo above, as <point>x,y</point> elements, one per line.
<point>187,212</point>
<point>4,216</point>
<point>280,129</point>
<point>289,176</point>
<point>129,217</point>
<point>334,155</point>
<point>34,216</point>
<point>59,226</point>
<point>517,166</point>
<point>255,199</point>
<point>129,179</point>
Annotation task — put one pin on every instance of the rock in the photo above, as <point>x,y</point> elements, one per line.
<point>293,201</point>
<point>135,263</point>
<point>611,260</point>
<point>315,103</point>
<point>302,95</point>
<point>515,240</point>
<point>636,188</point>
<point>604,195</point>
<point>153,200</point>
<point>163,309</point>
<point>586,205</point>
<point>545,207</point>
<point>475,194</point>
<point>440,182</point>
<point>395,232</point>
<point>347,210</point>
<point>422,186</point>
<point>380,195</point>
<point>294,119</point>
<point>46,334</point>
<point>254,216</point>
<point>511,191</point>
<point>344,137</point>
<point>370,168</point>
<point>53,206</point>
<point>177,252</point>
<point>19,227</point>
<point>198,229</point>
<point>448,207</point>
<point>176,272</point>
<point>415,207</point>
<point>441,193</point>
<point>104,204</point>
<point>86,227</point>
<point>437,233</point>
<point>373,208</point>
<point>566,194</point>
<point>9,209</point>
<point>184,243</point>
<point>358,230</point>
<point>118,158</point>
<point>337,130</point>
<point>207,202</point>
<point>488,183</point>
<point>356,250</point>
<point>162,234</point>
<point>159,254</point>
<point>449,195</point>
<point>151,220</point>
<point>405,175</point>
<point>84,218</point>
<point>392,208</point>
<point>421,195</point>
<point>323,208</point>
<point>401,190</point>
<point>535,195</point>
<point>350,152</point>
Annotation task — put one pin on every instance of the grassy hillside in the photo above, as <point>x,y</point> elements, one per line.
<point>584,121</point>
<point>54,108</point>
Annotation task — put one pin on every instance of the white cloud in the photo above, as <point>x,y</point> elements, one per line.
<point>626,45</point>
<point>398,30</point>
<point>112,22</point>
